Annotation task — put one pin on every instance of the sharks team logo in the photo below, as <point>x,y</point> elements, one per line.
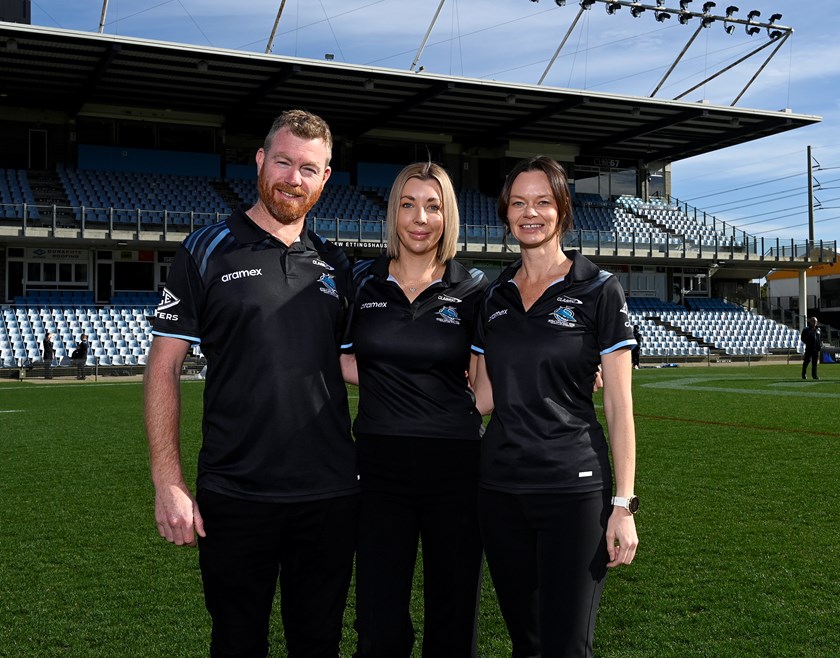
<point>328,283</point>
<point>449,315</point>
<point>563,316</point>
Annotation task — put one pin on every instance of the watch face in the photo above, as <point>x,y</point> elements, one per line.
<point>633,504</point>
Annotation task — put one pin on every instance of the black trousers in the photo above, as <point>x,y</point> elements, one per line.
<point>812,357</point>
<point>429,494</point>
<point>248,544</point>
<point>548,557</point>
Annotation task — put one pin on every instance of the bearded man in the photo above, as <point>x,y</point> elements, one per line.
<point>277,487</point>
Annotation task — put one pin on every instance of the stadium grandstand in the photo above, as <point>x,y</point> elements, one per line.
<point>115,148</point>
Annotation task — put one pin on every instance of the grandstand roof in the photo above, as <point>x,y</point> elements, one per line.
<point>90,73</point>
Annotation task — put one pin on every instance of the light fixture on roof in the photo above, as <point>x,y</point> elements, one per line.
<point>752,29</point>
<point>369,84</point>
<point>637,10</point>
<point>730,11</point>
<point>707,6</point>
<point>560,3</point>
<point>660,3</point>
<point>684,4</point>
<point>635,110</point>
<point>329,57</point>
<point>510,99</point>
<point>684,17</point>
<point>586,4</point>
<point>706,21</point>
<point>661,16</point>
<point>202,66</point>
<point>774,34</point>
<point>613,7</point>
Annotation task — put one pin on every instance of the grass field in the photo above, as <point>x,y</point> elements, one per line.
<point>738,473</point>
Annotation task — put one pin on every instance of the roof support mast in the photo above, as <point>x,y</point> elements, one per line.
<point>426,38</point>
<point>270,45</point>
<point>102,18</point>
<point>583,7</point>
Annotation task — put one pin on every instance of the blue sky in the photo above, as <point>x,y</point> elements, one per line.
<point>761,186</point>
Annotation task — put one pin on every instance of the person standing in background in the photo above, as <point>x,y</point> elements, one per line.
<point>812,338</point>
<point>79,356</point>
<point>48,355</point>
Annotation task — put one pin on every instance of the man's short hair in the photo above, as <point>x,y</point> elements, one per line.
<point>303,124</point>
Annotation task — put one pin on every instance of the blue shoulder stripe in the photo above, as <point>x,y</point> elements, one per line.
<point>204,241</point>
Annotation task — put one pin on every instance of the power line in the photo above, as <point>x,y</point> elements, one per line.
<point>743,187</point>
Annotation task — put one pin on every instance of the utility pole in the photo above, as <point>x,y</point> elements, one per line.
<point>810,196</point>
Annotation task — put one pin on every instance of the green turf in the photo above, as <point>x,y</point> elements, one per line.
<point>738,473</point>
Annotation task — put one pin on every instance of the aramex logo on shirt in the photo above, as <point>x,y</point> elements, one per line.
<point>241,274</point>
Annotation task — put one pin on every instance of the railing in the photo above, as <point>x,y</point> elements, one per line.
<point>130,223</point>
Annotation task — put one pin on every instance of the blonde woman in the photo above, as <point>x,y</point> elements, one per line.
<point>417,428</point>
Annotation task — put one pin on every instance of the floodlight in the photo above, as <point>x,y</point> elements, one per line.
<point>684,4</point>
<point>684,18</point>
<point>707,6</point>
<point>586,4</point>
<point>660,3</point>
<point>613,7</point>
<point>707,21</point>
<point>774,18</point>
<point>636,10</point>
<point>752,29</point>
<point>729,28</point>
<point>560,3</point>
<point>730,10</point>
<point>661,16</point>
<point>774,34</point>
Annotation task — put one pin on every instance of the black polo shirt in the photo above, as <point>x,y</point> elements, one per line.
<point>270,320</point>
<point>544,435</point>
<point>412,357</point>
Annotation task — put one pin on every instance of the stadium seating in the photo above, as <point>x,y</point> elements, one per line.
<point>707,325</point>
<point>151,199</point>
<point>118,335</point>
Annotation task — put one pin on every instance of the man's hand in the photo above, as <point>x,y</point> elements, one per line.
<point>177,515</point>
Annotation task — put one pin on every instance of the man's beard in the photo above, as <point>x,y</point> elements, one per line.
<point>284,210</point>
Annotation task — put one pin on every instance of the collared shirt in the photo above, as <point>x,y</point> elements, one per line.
<point>412,357</point>
<point>544,434</point>
<point>270,319</point>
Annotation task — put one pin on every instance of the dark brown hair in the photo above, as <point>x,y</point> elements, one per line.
<point>559,187</point>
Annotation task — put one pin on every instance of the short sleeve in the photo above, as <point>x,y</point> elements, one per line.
<point>178,315</point>
<point>615,330</point>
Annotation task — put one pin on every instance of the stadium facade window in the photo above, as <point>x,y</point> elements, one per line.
<point>53,273</point>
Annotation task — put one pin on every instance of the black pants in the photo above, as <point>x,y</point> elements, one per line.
<point>635,355</point>
<point>80,368</point>
<point>812,357</point>
<point>548,559</point>
<point>310,545</point>
<point>430,494</point>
